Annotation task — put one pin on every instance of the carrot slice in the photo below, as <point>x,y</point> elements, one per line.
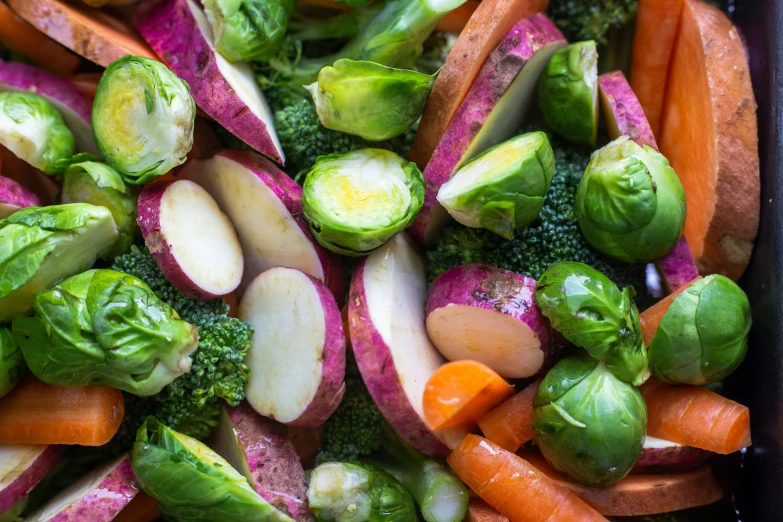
<point>460,393</point>
<point>514,487</point>
<point>87,82</point>
<point>39,413</point>
<point>651,318</point>
<point>480,511</point>
<point>695,416</point>
<point>143,508</point>
<point>510,425</point>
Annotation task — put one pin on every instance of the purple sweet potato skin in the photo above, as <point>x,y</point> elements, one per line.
<point>171,31</point>
<point>678,268</point>
<point>675,459</point>
<point>625,108</point>
<point>504,63</point>
<point>25,482</point>
<point>12,193</point>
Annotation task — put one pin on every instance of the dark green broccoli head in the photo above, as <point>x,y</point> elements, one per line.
<point>591,19</point>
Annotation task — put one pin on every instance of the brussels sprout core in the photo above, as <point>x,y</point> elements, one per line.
<point>356,201</point>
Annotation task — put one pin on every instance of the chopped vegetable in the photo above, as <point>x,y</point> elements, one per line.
<point>14,196</point>
<point>651,318</point>
<point>12,364</point>
<point>510,425</point>
<point>24,466</point>
<point>622,111</point>
<point>677,268</point>
<point>663,456</point>
<point>591,19</point>
<point>143,508</point>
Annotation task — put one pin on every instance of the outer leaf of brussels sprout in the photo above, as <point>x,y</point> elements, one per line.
<point>591,312</point>
<point>703,337</point>
<point>630,204</point>
<point>370,100</point>
<point>568,93</point>
<point>143,118</point>
<point>247,30</point>
<point>34,130</point>
<point>357,201</point>
<point>589,425</point>
<point>193,483</point>
<point>11,361</point>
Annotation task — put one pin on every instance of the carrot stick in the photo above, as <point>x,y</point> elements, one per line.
<point>651,318</point>
<point>460,393</point>
<point>480,511</point>
<point>695,416</point>
<point>143,508</point>
<point>510,425</point>
<point>514,487</point>
<point>39,413</point>
<point>87,82</point>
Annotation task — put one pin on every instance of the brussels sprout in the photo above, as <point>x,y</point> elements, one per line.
<point>34,130</point>
<point>105,328</point>
<point>503,188</point>
<point>591,312</point>
<point>143,118</point>
<point>357,201</point>
<point>248,29</point>
<point>358,492</point>
<point>40,246</point>
<point>568,93</point>
<point>98,184</point>
<point>11,361</point>
<point>703,336</point>
<point>589,425</point>
<point>630,204</point>
<point>370,100</point>
<point>191,482</point>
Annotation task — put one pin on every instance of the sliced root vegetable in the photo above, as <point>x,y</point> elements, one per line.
<point>260,450</point>
<point>389,338</point>
<point>98,496</point>
<point>21,37</point>
<point>92,33</point>
<point>73,103</point>
<point>695,416</point>
<point>480,511</point>
<point>489,315</point>
<point>307,443</point>
<point>179,32</point>
<point>488,25</point>
<point>39,413</point>
<point>663,456</point>
<point>297,356</point>
<point>456,19</point>
<point>14,196</point>
<point>651,318</point>
<point>192,241</point>
<point>710,135</point>
<point>498,102</point>
<point>205,142</point>
<point>44,187</point>
<point>514,487</point>
<point>22,466</point>
<point>638,495</point>
<point>623,113</point>
<point>143,508</point>
<point>88,84</point>
<point>677,269</point>
<point>510,425</point>
<point>252,191</point>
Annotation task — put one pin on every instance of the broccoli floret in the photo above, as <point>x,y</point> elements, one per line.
<point>591,19</point>
<point>553,236</point>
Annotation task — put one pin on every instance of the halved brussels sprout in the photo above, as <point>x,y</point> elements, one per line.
<point>630,204</point>
<point>247,30</point>
<point>99,184</point>
<point>503,188</point>
<point>589,424</point>
<point>370,100</point>
<point>357,201</point>
<point>105,328</point>
<point>191,482</point>
<point>143,118</point>
<point>11,361</point>
<point>591,312</point>
<point>33,129</point>
<point>703,336</point>
<point>568,93</point>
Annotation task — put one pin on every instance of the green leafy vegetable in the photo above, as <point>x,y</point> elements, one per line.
<point>247,30</point>
<point>591,19</point>
<point>11,361</point>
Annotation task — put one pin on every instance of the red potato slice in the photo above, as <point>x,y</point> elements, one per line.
<point>389,338</point>
<point>73,103</point>
<point>496,105</point>
<point>664,456</point>
<point>623,113</point>
<point>98,497</point>
<point>179,32</point>
<point>265,206</point>
<point>489,315</point>
<point>14,196</point>
<point>297,355</point>
<point>260,450</point>
<point>192,241</point>
<point>22,466</point>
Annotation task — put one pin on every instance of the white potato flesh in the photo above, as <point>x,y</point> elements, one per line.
<point>656,443</point>
<point>15,459</point>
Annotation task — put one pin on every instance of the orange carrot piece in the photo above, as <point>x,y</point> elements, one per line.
<point>480,511</point>
<point>143,508</point>
<point>39,413</point>
<point>514,487</point>
<point>510,425</point>
<point>87,82</point>
<point>456,20</point>
<point>651,318</point>
<point>459,393</point>
<point>653,45</point>
<point>695,416</point>
<point>231,301</point>
<point>43,186</point>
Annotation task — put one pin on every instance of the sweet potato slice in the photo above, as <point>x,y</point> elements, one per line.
<point>710,135</point>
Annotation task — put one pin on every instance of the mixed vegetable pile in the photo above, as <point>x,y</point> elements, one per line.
<point>372,260</point>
